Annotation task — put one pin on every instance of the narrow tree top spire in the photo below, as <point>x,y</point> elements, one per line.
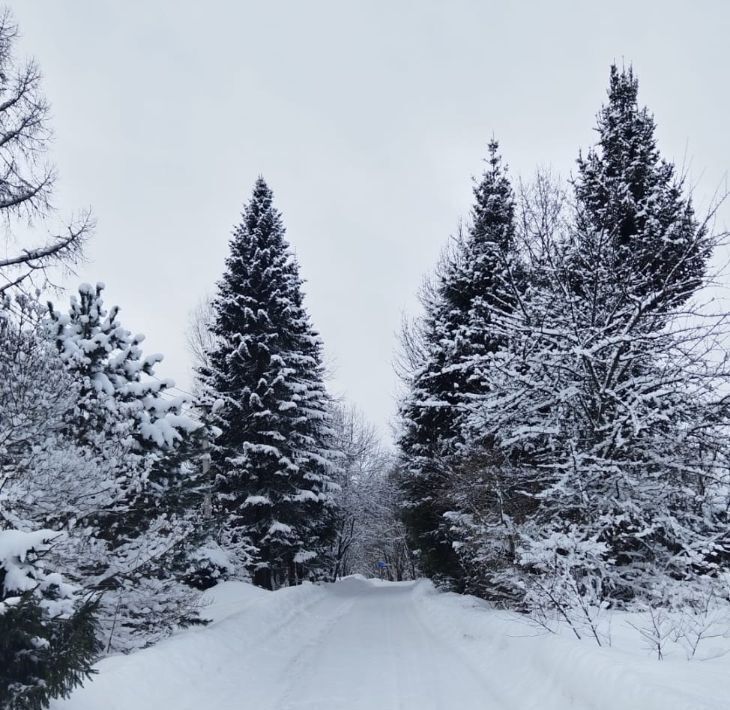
<point>261,192</point>
<point>260,214</point>
<point>493,210</point>
<point>627,192</point>
<point>623,85</point>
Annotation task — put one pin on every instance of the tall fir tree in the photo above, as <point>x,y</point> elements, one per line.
<point>264,389</point>
<point>453,342</point>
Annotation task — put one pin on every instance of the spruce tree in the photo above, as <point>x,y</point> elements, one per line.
<point>264,390</point>
<point>630,195</point>
<point>47,629</point>
<point>454,343</point>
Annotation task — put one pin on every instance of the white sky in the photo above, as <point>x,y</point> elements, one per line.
<point>367,119</point>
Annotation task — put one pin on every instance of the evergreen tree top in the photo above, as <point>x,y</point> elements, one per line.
<point>493,210</point>
<point>626,146</point>
<point>260,217</point>
<point>261,289</point>
<point>260,234</point>
<point>627,193</point>
<point>470,273</point>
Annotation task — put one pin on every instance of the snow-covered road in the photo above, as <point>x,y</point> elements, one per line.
<point>377,652</point>
<point>368,645</point>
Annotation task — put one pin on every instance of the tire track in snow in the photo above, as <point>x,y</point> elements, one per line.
<point>304,659</point>
<point>499,701</point>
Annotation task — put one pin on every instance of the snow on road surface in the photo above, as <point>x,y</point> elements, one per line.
<point>368,645</point>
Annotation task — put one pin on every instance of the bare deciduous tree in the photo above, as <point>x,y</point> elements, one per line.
<point>370,534</point>
<point>27,178</point>
<point>198,335</point>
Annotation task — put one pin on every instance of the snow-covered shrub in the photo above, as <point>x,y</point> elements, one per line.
<point>684,615</point>
<point>565,580</point>
<point>208,564</point>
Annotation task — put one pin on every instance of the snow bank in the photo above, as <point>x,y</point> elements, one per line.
<point>216,667</point>
<point>229,598</point>
<point>541,670</point>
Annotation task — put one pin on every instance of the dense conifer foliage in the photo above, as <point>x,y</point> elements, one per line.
<point>633,197</point>
<point>93,446</point>
<point>264,390</point>
<point>446,355</point>
<point>140,507</point>
<point>47,629</point>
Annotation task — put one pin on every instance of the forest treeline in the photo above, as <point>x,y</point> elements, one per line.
<point>561,439</point>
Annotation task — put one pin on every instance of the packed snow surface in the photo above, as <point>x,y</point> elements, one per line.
<point>368,645</point>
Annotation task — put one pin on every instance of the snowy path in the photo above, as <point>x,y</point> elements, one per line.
<point>380,654</point>
<point>366,645</point>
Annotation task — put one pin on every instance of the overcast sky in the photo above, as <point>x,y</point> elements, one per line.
<point>367,119</point>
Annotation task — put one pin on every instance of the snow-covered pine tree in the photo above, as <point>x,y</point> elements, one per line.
<point>626,190</point>
<point>447,353</point>
<point>47,629</point>
<point>265,391</point>
<point>138,455</point>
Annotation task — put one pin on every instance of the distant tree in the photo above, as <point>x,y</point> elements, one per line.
<point>383,536</point>
<point>359,450</point>
<point>368,526</point>
<point>264,390</point>
<point>199,334</point>
<point>448,350</point>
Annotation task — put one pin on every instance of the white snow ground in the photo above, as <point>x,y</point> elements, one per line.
<point>368,645</point>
